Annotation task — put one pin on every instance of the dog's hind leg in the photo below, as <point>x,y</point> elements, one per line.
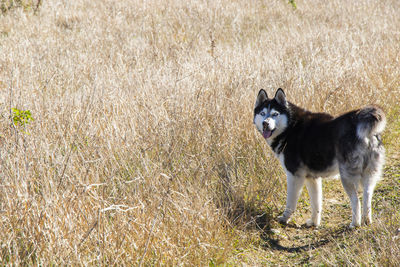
<point>294,187</point>
<point>350,184</point>
<point>314,187</point>
<point>370,177</point>
<point>369,186</point>
<point>369,181</point>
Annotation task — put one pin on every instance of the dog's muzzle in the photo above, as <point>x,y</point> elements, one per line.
<point>267,132</point>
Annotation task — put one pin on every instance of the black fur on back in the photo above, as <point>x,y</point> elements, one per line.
<point>316,140</point>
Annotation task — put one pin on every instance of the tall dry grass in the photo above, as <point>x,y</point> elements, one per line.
<point>142,148</point>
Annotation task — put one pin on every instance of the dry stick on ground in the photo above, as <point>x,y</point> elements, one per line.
<point>76,136</point>
<point>11,115</point>
<point>153,224</point>
<point>86,235</point>
<point>10,108</point>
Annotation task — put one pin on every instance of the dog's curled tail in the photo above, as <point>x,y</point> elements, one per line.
<point>371,121</point>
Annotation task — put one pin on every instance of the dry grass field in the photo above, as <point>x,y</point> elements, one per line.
<point>126,133</point>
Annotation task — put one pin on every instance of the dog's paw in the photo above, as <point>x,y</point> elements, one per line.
<point>283,219</point>
<point>311,223</point>
<point>354,225</point>
<point>366,220</point>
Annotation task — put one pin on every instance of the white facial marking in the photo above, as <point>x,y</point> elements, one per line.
<point>258,119</point>
<point>276,122</point>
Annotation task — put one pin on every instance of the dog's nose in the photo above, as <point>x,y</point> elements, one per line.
<point>265,124</point>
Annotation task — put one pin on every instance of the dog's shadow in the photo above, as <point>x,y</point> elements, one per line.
<point>252,217</point>
<point>271,242</point>
<point>264,222</point>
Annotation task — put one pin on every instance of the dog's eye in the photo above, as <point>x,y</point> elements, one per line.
<point>275,114</point>
<point>262,113</point>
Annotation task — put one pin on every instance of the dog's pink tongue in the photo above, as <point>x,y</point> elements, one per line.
<point>267,134</point>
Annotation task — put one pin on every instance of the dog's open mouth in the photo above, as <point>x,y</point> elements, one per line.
<point>267,133</point>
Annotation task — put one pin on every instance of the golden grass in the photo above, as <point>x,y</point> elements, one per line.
<point>142,148</point>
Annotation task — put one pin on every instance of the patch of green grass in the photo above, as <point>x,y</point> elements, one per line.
<point>27,5</point>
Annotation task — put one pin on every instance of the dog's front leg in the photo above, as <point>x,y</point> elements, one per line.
<point>314,187</point>
<point>294,187</point>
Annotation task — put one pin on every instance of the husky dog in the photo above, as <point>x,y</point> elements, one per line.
<point>314,145</point>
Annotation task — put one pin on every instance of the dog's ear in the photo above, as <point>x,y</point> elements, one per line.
<point>262,96</point>
<point>281,97</point>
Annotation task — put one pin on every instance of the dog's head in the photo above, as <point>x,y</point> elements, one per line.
<point>271,115</point>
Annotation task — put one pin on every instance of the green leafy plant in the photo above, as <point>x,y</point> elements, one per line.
<point>21,117</point>
<point>293,3</point>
